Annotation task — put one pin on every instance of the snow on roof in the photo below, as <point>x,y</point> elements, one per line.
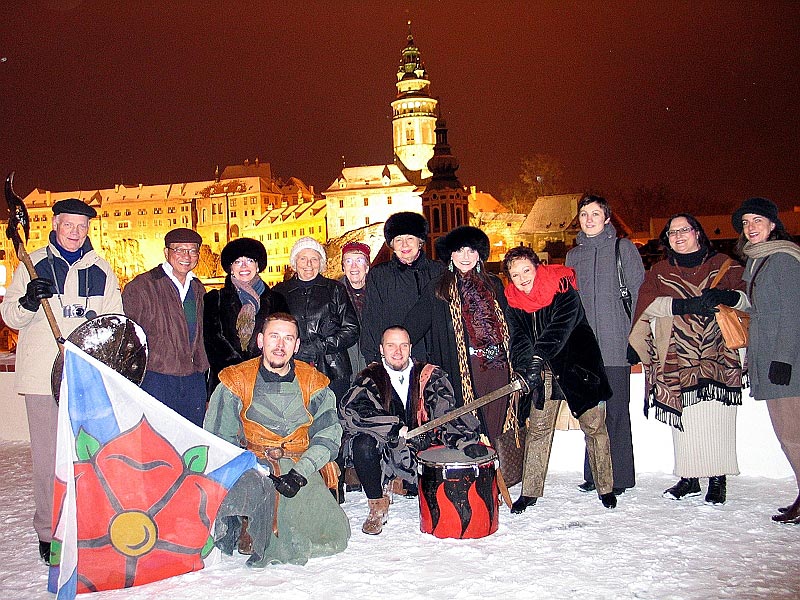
<point>551,213</point>
<point>369,176</point>
<point>481,202</point>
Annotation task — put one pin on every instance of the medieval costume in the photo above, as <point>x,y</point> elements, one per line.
<point>290,423</point>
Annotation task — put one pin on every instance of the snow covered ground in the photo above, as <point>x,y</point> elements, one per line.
<point>567,546</point>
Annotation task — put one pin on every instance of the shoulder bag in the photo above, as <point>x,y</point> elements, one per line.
<point>624,292</point>
<point>733,324</point>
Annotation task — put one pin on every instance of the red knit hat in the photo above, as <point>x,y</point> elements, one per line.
<point>356,247</point>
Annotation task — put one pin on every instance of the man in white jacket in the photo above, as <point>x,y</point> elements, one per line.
<point>81,285</point>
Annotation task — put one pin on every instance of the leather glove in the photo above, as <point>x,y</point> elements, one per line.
<point>393,435</point>
<point>422,441</point>
<point>37,289</point>
<point>533,376</point>
<point>714,296</point>
<point>691,306</point>
<point>475,450</point>
<point>780,373</point>
<point>632,356</point>
<point>289,483</point>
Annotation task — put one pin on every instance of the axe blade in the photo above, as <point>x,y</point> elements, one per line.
<point>17,211</point>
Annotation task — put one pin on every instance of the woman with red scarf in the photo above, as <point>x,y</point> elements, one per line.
<point>555,350</point>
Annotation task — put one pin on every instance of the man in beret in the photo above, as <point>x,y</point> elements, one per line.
<point>84,285</point>
<point>393,287</point>
<point>167,302</point>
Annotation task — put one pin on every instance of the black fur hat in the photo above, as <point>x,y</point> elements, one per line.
<point>405,223</point>
<point>243,247</point>
<point>460,237</point>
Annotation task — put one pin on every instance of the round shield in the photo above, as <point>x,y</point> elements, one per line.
<point>114,340</point>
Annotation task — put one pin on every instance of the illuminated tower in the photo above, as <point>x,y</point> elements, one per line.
<point>413,113</point>
<point>445,202</point>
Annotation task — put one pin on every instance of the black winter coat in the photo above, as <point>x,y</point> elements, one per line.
<point>561,335</point>
<point>392,289</point>
<point>221,308</point>
<point>431,316</point>
<point>328,323</point>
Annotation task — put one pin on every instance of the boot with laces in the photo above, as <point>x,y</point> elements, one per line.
<point>378,515</point>
<point>686,487</point>
<point>716,493</point>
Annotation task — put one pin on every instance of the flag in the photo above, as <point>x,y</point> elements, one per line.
<point>137,486</point>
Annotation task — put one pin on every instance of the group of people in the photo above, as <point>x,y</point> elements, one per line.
<point>321,377</point>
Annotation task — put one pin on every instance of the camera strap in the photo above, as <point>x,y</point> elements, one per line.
<point>51,262</point>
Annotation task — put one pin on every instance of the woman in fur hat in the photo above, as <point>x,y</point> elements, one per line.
<point>232,314</point>
<point>463,309</point>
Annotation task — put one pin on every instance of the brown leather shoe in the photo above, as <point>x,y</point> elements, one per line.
<point>378,515</point>
<point>245,541</point>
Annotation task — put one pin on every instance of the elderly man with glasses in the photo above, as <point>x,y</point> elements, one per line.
<point>167,302</point>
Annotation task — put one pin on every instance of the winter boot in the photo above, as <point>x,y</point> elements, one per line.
<point>351,481</point>
<point>587,486</point>
<point>521,503</point>
<point>44,551</point>
<point>378,515</point>
<point>716,490</point>
<point>609,500</point>
<point>683,489</point>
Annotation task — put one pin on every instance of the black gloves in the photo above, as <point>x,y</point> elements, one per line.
<point>691,306</point>
<point>422,441</point>
<point>475,450</point>
<point>780,373</point>
<point>714,296</point>
<point>632,356</point>
<point>37,289</point>
<point>289,483</point>
<point>393,435</point>
<point>533,376</point>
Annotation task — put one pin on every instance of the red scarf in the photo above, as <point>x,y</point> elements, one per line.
<point>549,281</point>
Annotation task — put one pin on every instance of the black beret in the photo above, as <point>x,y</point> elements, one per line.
<point>182,235</point>
<point>405,223</point>
<point>461,237</point>
<point>73,206</point>
<point>756,206</point>
<point>243,247</point>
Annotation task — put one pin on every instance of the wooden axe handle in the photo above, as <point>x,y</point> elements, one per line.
<point>25,259</point>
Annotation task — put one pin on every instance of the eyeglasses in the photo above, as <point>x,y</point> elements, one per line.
<point>186,251</point>
<point>242,262</point>
<point>682,230</point>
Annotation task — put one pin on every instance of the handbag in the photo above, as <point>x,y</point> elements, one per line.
<point>733,324</point>
<point>510,445</point>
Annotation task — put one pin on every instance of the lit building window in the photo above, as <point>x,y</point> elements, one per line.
<point>388,200</point>
<point>341,203</point>
<point>366,201</point>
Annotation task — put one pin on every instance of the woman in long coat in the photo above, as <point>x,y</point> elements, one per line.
<point>235,314</point>
<point>462,310</point>
<point>553,346</point>
<point>692,378</point>
<point>772,277</point>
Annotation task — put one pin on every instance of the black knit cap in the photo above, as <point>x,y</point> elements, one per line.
<point>756,206</point>
<point>73,206</point>
<point>405,223</point>
<point>463,237</point>
<point>182,235</point>
<point>247,247</point>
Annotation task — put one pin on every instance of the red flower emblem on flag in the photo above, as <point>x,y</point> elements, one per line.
<point>144,511</point>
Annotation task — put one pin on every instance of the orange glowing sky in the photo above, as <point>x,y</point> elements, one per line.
<point>700,96</point>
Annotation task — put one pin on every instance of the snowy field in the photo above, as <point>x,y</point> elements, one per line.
<point>567,546</point>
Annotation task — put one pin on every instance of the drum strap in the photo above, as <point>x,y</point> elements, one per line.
<point>424,377</point>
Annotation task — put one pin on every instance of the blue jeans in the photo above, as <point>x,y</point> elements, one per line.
<point>185,394</point>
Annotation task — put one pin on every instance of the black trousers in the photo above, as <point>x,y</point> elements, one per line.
<point>367,463</point>
<point>618,423</point>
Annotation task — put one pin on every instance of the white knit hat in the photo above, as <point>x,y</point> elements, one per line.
<point>308,242</point>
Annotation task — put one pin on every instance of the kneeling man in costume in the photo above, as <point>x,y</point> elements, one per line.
<point>386,400</point>
<point>282,410</point>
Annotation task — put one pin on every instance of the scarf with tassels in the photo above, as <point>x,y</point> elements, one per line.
<point>250,296</point>
<point>549,281</point>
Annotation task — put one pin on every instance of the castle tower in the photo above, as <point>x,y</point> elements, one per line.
<point>445,202</point>
<point>413,113</point>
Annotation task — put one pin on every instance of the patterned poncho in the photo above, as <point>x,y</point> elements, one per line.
<point>685,357</point>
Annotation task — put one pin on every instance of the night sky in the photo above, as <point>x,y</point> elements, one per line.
<point>699,96</point>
